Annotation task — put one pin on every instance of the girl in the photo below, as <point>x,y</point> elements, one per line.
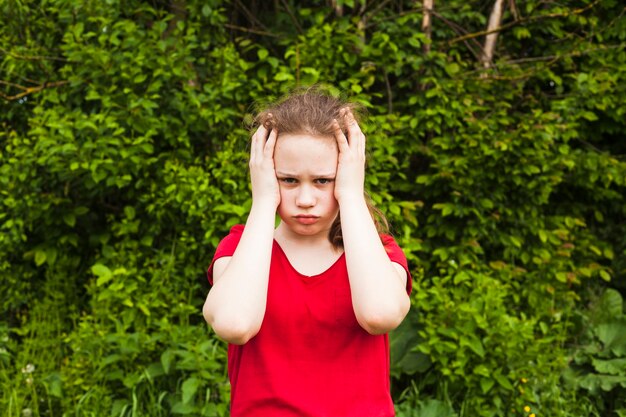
<point>306,306</point>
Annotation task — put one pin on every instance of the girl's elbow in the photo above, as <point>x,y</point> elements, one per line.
<point>232,330</point>
<point>235,332</point>
<point>235,336</point>
<point>381,322</point>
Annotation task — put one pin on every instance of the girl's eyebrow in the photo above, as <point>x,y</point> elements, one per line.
<point>286,174</point>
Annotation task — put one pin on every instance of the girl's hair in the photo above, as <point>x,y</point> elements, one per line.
<point>311,111</point>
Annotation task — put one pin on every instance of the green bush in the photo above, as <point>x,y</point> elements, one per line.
<point>123,156</point>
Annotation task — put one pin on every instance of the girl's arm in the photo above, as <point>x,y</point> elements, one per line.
<point>235,306</point>
<point>378,285</point>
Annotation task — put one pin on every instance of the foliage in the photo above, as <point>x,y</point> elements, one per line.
<point>123,161</point>
<point>599,365</point>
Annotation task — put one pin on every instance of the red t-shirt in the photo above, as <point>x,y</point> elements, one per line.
<point>310,357</point>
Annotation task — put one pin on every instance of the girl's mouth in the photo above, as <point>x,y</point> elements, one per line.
<point>306,219</point>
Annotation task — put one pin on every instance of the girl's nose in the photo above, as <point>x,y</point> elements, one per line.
<point>305,197</point>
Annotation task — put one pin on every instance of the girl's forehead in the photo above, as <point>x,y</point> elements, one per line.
<point>306,143</point>
<point>306,153</point>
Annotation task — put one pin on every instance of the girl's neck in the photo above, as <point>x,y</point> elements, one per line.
<point>309,255</point>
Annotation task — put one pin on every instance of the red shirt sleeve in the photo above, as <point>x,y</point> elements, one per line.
<point>396,255</point>
<point>226,247</point>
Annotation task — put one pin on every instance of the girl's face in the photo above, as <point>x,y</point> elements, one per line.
<point>306,167</point>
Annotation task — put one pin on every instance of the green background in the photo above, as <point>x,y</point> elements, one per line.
<point>123,161</point>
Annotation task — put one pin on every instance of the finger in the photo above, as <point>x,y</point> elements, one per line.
<point>253,142</point>
<point>355,135</point>
<point>342,141</point>
<point>268,150</point>
<point>351,123</point>
<point>258,142</point>
<point>361,144</point>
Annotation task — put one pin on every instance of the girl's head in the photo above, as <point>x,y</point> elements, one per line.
<point>309,112</point>
<point>305,160</point>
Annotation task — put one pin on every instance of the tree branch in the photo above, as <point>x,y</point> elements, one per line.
<point>248,30</point>
<point>394,17</point>
<point>548,59</point>
<point>292,16</point>
<point>460,30</point>
<point>32,57</point>
<point>250,15</point>
<point>378,8</point>
<point>520,22</point>
<point>28,90</point>
<point>513,8</point>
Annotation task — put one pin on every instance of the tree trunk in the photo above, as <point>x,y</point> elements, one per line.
<point>490,40</point>
<point>338,8</point>
<point>427,23</point>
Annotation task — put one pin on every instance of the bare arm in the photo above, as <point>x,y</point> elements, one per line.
<point>378,286</point>
<point>235,306</point>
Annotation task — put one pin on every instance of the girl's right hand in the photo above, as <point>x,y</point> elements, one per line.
<point>262,173</point>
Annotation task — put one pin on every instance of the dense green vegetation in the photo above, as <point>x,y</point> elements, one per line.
<point>123,155</point>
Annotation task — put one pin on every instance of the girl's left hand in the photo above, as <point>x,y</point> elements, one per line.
<point>350,178</point>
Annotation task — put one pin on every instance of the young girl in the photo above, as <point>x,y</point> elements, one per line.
<point>306,306</point>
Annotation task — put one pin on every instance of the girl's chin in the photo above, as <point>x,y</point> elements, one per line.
<point>302,229</point>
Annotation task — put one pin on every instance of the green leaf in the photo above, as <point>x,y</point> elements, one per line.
<point>589,116</point>
<point>613,336</point>
<point>103,273</point>
<point>474,344</point>
<point>100,270</point>
<point>434,408</point>
<point>482,370</point>
<point>283,76</point>
<point>69,219</point>
<point>130,213</point>
<point>516,241</point>
<point>611,303</point>
<point>262,53</point>
<point>139,78</point>
<point>40,257</point>
<point>486,203</point>
<point>452,68</point>
<point>143,309</point>
<point>605,275</point>
<point>166,360</point>
<point>561,277</point>
<point>190,386</point>
<point>486,384</point>
<point>184,408</point>
<point>503,381</point>
<point>54,384</point>
<point>51,255</point>
<point>612,366</point>
<point>460,277</point>
<point>356,88</point>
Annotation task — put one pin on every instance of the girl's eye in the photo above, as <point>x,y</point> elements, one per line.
<point>324,181</point>
<point>288,180</point>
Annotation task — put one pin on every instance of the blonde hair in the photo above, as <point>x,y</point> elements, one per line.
<point>311,111</point>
